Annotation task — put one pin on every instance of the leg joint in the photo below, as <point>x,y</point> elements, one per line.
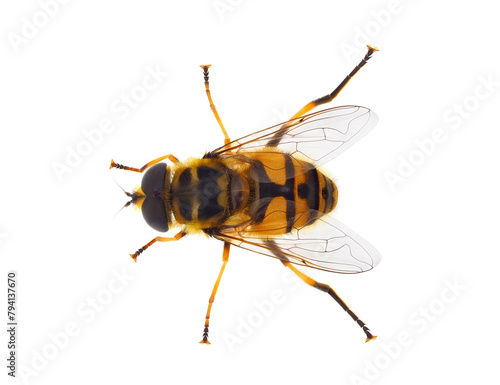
<point>322,286</point>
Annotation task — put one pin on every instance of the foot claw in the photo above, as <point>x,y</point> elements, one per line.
<point>371,338</point>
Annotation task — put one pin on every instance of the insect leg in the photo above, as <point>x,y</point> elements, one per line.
<point>212,107</point>
<point>170,157</point>
<point>225,258</point>
<point>329,290</point>
<point>176,237</point>
<point>328,98</point>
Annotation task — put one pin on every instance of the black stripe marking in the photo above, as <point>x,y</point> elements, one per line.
<point>313,199</point>
<point>290,204</point>
<point>186,207</point>
<point>303,191</point>
<point>185,178</point>
<point>208,192</point>
<point>313,183</point>
<point>327,193</point>
<point>209,209</point>
<point>208,173</point>
<point>269,190</point>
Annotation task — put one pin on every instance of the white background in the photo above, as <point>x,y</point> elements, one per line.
<point>437,226</point>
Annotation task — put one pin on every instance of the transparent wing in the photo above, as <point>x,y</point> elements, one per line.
<point>317,137</point>
<point>325,244</point>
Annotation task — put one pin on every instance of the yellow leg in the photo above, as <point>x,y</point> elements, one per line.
<point>176,237</point>
<point>328,98</point>
<point>170,157</point>
<point>329,290</point>
<point>212,106</point>
<point>225,258</point>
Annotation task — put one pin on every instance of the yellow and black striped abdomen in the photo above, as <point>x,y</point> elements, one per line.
<point>288,192</point>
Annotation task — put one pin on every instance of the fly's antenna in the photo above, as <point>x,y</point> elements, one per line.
<point>133,197</point>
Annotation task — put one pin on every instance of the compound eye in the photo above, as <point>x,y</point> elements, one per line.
<point>153,182</point>
<point>155,214</point>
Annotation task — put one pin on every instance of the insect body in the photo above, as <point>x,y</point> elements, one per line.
<point>265,193</point>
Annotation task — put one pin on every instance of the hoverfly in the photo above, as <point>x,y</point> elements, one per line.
<point>265,193</point>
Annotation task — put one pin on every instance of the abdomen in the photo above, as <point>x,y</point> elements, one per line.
<point>287,193</point>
